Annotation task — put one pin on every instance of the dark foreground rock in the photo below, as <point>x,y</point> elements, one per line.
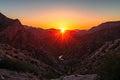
<point>12,75</point>
<point>78,77</point>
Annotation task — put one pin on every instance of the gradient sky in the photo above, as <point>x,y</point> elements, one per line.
<point>71,14</point>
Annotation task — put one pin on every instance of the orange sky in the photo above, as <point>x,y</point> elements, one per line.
<point>68,14</point>
<point>64,18</point>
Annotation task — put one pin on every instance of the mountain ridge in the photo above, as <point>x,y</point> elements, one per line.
<point>24,37</point>
<point>47,45</point>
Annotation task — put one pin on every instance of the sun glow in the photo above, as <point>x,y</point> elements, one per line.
<point>62,30</point>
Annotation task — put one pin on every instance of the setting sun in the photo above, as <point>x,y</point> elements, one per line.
<point>62,30</point>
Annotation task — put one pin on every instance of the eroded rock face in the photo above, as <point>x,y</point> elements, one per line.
<point>12,75</point>
<point>78,77</point>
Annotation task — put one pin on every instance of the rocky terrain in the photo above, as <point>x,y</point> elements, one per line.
<point>14,59</point>
<point>92,62</point>
<point>78,77</point>
<point>9,70</point>
<point>13,75</point>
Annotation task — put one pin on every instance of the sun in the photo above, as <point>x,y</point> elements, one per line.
<point>62,30</point>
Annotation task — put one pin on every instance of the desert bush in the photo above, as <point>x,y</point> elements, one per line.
<point>110,69</point>
<point>17,65</point>
<point>50,74</point>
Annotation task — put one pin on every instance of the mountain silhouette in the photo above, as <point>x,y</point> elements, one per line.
<point>82,42</point>
<point>47,45</point>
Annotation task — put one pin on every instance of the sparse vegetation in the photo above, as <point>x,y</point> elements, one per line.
<point>110,69</point>
<point>17,65</point>
<point>50,74</point>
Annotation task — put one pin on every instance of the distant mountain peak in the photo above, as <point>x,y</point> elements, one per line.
<point>110,23</point>
<point>2,16</point>
<point>105,25</point>
<point>17,21</point>
<point>5,22</point>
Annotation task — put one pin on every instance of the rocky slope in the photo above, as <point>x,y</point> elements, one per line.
<point>25,38</point>
<point>92,62</point>
<point>12,54</point>
<point>78,77</point>
<point>21,61</point>
<point>13,75</point>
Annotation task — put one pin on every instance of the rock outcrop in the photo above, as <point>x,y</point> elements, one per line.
<point>78,77</point>
<point>13,75</point>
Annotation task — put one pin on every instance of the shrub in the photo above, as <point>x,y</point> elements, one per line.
<point>17,65</point>
<point>50,74</point>
<point>110,69</point>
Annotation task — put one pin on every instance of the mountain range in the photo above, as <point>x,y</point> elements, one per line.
<point>79,49</point>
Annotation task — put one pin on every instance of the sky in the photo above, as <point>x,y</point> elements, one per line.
<point>69,14</point>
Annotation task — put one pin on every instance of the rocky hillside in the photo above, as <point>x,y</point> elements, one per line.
<point>13,75</point>
<point>25,38</point>
<point>21,61</point>
<point>92,62</point>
